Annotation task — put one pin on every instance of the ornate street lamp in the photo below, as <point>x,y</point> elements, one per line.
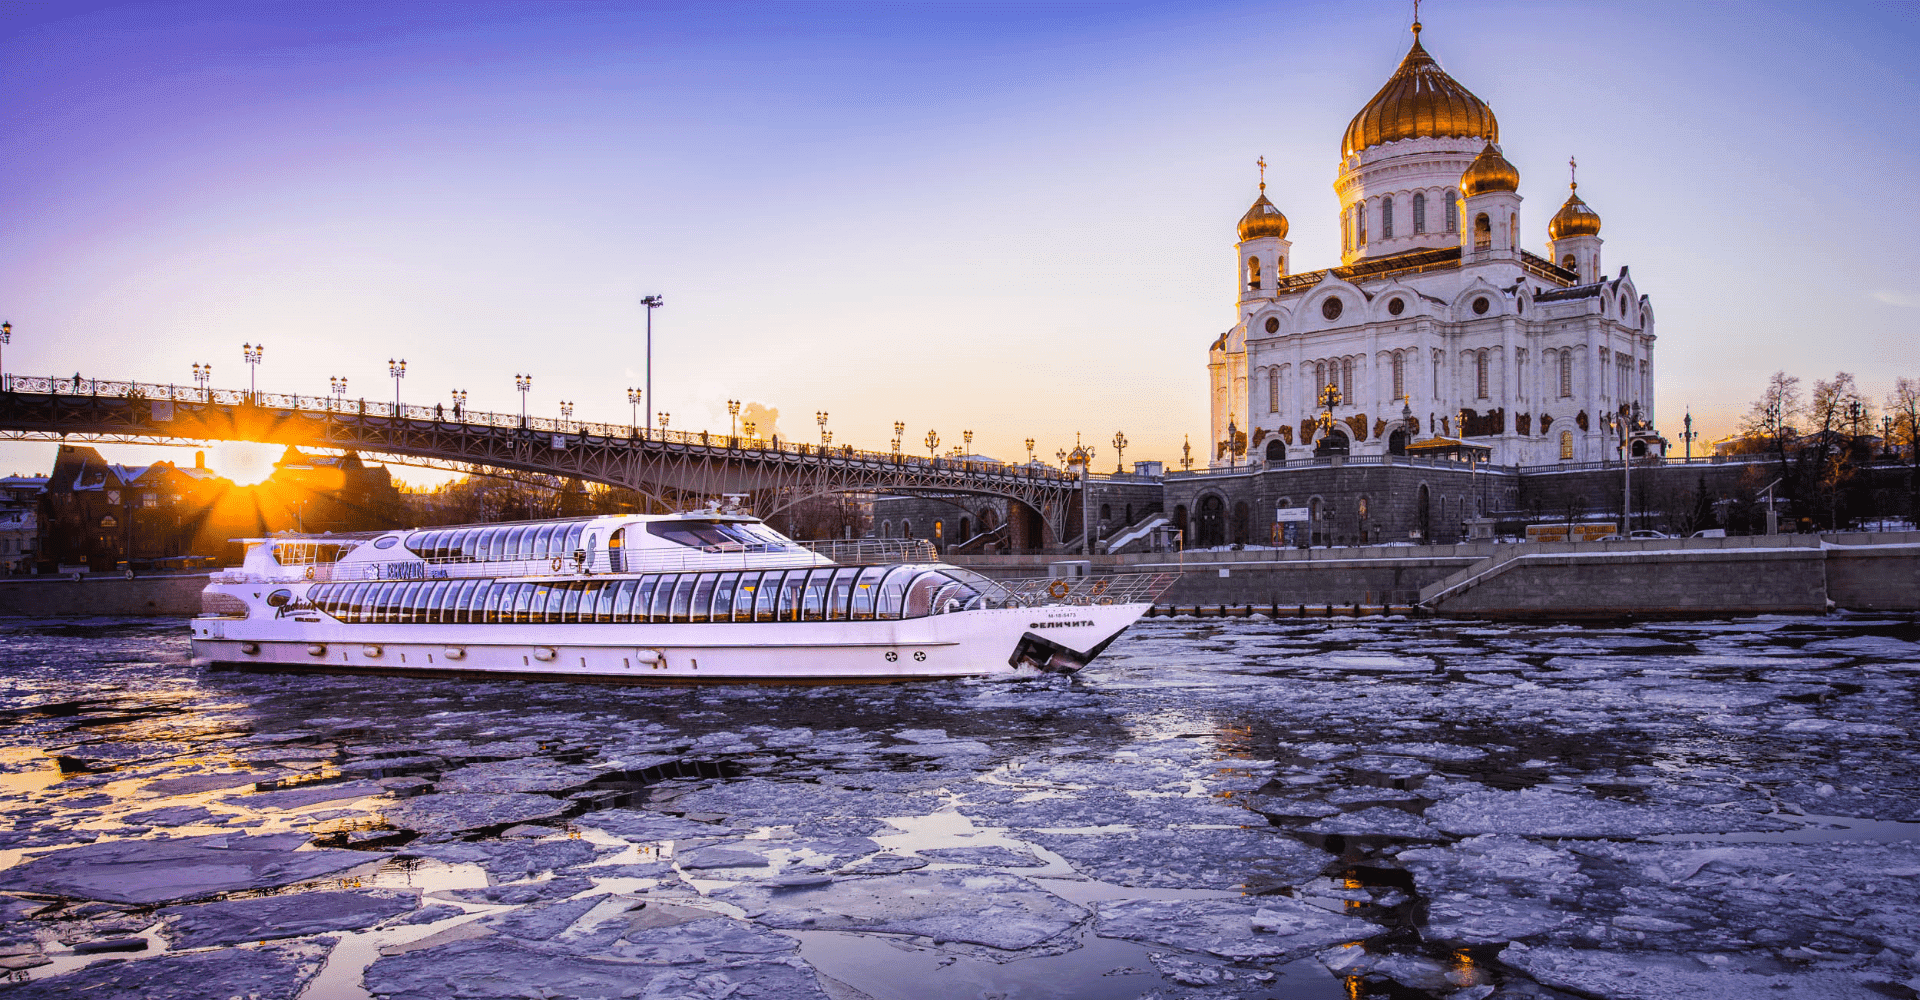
<point>523,383</point>
<point>748,426</point>
<point>252,353</point>
<point>820,417</point>
<point>733,417</point>
<point>397,369</point>
<point>664,418</point>
<point>933,441</point>
<point>1120,446</point>
<point>1029,451</point>
<point>1186,452</point>
<point>1688,435</point>
<point>967,436</point>
<point>202,374</point>
<point>566,412</point>
<point>633,403</point>
<point>459,404</point>
<point>6,337</point>
<point>652,302</point>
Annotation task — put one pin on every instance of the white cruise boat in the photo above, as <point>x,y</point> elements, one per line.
<point>678,598</point>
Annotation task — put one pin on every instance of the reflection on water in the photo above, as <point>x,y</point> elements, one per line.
<point>1244,808</point>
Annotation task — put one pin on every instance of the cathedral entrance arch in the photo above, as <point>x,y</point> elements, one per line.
<point>1397,442</point>
<point>1423,515</point>
<point>1335,443</point>
<point>1213,522</point>
<point>1276,451</point>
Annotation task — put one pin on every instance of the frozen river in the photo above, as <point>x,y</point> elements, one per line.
<point>1372,808</point>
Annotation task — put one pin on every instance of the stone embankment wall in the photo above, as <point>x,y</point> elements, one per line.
<point>171,596</point>
<point>1697,577</point>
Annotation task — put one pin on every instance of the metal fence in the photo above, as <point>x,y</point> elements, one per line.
<point>1121,588</point>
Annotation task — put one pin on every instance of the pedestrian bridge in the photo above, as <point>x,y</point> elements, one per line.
<point>676,469</point>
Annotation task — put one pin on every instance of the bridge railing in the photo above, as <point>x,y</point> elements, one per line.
<point>459,416</point>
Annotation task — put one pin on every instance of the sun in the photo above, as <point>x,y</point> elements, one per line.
<point>244,462</point>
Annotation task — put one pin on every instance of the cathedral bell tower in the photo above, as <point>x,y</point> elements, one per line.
<point>1490,207</point>
<point>1263,246</point>
<point>1573,235</point>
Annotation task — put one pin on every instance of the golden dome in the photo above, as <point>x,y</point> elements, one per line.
<point>1574,218</point>
<point>1262,220</point>
<point>1489,172</point>
<point>1419,101</point>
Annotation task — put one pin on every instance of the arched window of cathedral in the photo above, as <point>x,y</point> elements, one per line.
<point>1253,272</point>
<point>1399,374</point>
<point>1396,306</point>
<point>1273,390</point>
<point>1360,224</point>
<point>1346,381</point>
<point>1437,361</point>
<point>1623,307</point>
<point>1482,232</point>
<point>1319,375</point>
<point>1480,373</point>
<point>1569,263</point>
<point>1386,218</point>
<point>1276,451</point>
<point>1513,229</point>
<point>1346,232</point>
<point>1453,211</point>
<point>1566,446</point>
<point>1273,324</point>
<point>1566,374</point>
<point>1419,213</point>
<point>886,529</point>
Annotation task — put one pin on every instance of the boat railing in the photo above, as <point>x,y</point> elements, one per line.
<point>844,552</point>
<point>874,551</point>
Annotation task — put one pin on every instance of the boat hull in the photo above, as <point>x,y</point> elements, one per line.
<point>1060,638</point>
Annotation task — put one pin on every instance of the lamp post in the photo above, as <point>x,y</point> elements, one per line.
<point>459,404</point>
<point>1622,424</point>
<point>1120,453</point>
<point>6,337</point>
<point>967,436</point>
<point>747,426</point>
<point>1186,453</point>
<point>733,417</point>
<point>633,415</point>
<point>336,391</point>
<point>202,374</point>
<point>252,353</point>
<point>664,418</point>
<point>933,441</point>
<point>1688,435</point>
<point>1029,451</point>
<point>397,369</point>
<point>566,413</point>
<point>820,417</point>
<point>652,302</point>
<point>522,383</point>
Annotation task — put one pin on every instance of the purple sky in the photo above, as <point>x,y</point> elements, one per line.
<point>1010,218</point>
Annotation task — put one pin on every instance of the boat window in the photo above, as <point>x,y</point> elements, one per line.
<point>866,590</point>
<point>428,612</point>
<point>723,592</point>
<point>792,589</point>
<point>487,543</point>
<point>702,597</point>
<point>510,544</point>
<point>814,601</point>
<point>437,545</point>
<point>556,594</point>
<point>486,603</point>
<point>683,595</point>
<point>565,550</point>
<point>766,598</point>
<point>377,603</point>
<point>396,602</point>
<point>720,536</point>
<point>893,591</point>
<point>415,609</point>
<point>743,592</point>
<point>456,545</point>
<point>514,606</point>
<point>643,599</point>
<point>542,537</point>
<point>662,597</point>
<point>603,598</point>
<point>456,606</point>
<point>350,603</point>
<point>839,592</point>
<point>570,608</point>
<point>615,541</point>
<point>622,610</point>
<point>499,603</point>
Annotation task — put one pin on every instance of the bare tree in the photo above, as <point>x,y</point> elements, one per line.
<point>1773,415</point>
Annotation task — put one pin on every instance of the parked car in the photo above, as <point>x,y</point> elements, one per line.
<point>1710,533</point>
<point>1649,533</point>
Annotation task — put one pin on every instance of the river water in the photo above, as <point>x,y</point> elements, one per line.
<point>1247,808</point>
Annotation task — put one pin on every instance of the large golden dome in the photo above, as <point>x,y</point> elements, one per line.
<point>1419,101</point>
<point>1489,171</point>
<point>1262,220</point>
<point>1574,218</point>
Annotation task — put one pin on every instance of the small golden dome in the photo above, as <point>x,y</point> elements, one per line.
<point>1262,220</point>
<point>1489,172</point>
<point>1574,218</point>
<point>1419,101</point>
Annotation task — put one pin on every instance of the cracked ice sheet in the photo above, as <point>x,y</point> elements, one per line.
<point>276,970</point>
<point>702,959</point>
<point>1536,812</point>
<point>1274,928</point>
<point>778,803</point>
<point>455,812</point>
<point>1187,859</point>
<point>990,909</point>
<point>160,871</point>
<point>1620,975</point>
<point>281,916</point>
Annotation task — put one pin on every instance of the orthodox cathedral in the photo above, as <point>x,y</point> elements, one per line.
<point>1438,332</point>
